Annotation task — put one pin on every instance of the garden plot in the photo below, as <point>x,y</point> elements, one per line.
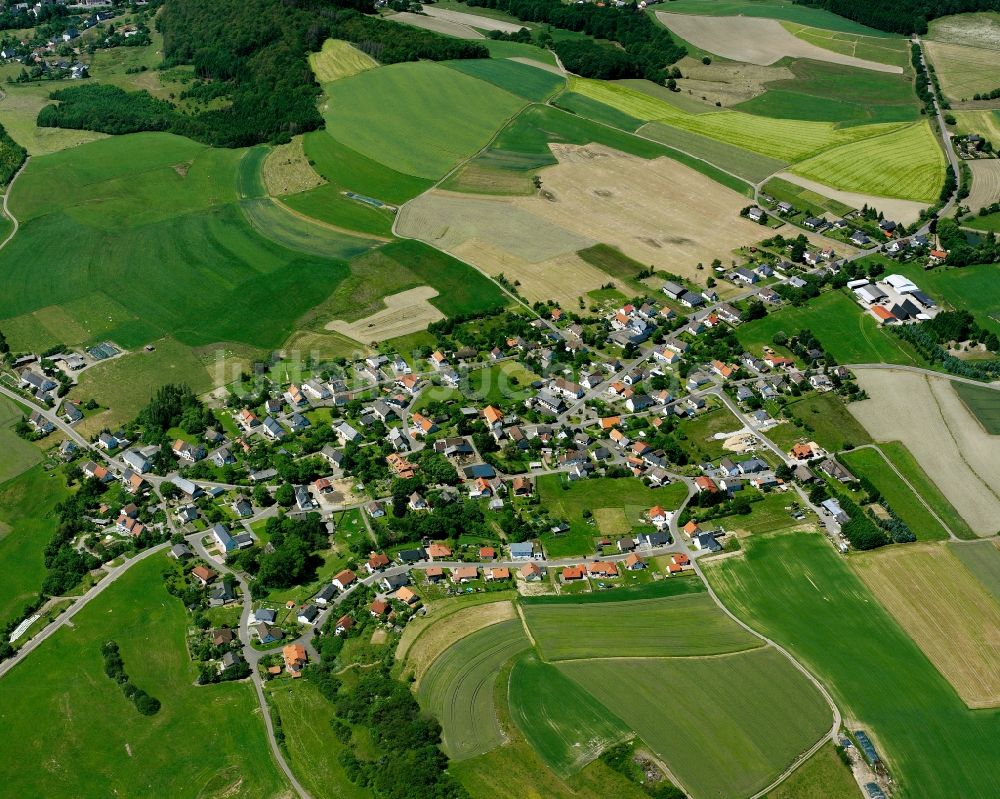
<point>755,40</point>
<point>405,313</point>
<point>906,212</point>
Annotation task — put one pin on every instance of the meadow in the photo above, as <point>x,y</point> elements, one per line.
<point>558,718</point>
<point>827,421</point>
<point>18,455</point>
<point>598,112</point>
<point>869,463</point>
<point>339,59</point>
<point>823,776</point>
<point>946,611</point>
<point>504,383</point>
<point>678,626</point>
<point>963,71</point>
<point>886,50</point>
<point>697,435</point>
<point>972,288</point>
<point>754,707</point>
<point>906,163</point>
<point>384,112</point>
<point>531,83</point>
<point>458,688</point>
<point>984,403</point>
<point>77,729</point>
<point>982,558</point>
<point>797,590</point>
<point>986,123</point>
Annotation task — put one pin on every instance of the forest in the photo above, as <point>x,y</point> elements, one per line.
<point>899,16</point>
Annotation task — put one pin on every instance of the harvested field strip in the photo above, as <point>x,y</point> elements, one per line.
<point>755,706</point>
<point>982,558</point>
<point>458,688</point>
<point>869,463</point>
<point>482,21</point>
<point>407,312</point>
<point>339,59</point>
<point>984,403</point>
<point>286,170</point>
<point>976,30</point>
<point>985,183</point>
<point>558,718</point>
<point>679,626</point>
<point>445,27</point>
<point>945,610</point>
<point>777,9</point>
<point>782,139</point>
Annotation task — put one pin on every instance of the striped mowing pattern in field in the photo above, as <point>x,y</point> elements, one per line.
<point>784,139</point>
<point>906,163</point>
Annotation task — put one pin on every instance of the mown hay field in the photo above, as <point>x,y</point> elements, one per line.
<point>745,163</point>
<point>339,59</point>
<point>985,183</point>
<point>775,9</point>
<point>963,71</point>
<point>678,626</point>
<point>982,558</point>
<point>946,610</point>
<point>560,720</point>
<point>286,170</point>
<point>907,163</point>
<point>753,706</point>
<point>458,688</point>
<point>797,590</point>
<point>905,212</point>
<point>986,123</point>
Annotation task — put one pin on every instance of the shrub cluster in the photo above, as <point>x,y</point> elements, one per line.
<point>114,667</point>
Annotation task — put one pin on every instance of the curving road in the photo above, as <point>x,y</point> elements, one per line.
<point>6,210</point>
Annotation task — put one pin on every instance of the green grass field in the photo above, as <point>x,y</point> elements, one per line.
<point>797,590</point>
<point>972,288</point>
<point>825,92</point>
<point>828,422</point>
<point>775,9</point>
<point>598,112</point>
<point>558,718</point>
<point>519,79</point>
<point>27,524</point>
<point>339,59</point>
<point>403,116</point>
<point>618,265</point>
<point>838,323</point>
<point>907,163</point>
<point>982,558</point>
<point>678,626</point>
<point>697,435</point>
<point>804,199</point>
<point>984,403</point>
<point>18,455</point>
<point>628,494</point>
<point>64,718</point>
<point>822,776</point>
<point>990,222</point>
<point>754,708</point>
<point>870,463</point>
<point>502,384</point>
<point>458,688</point>
<point>500,49</point>
<point>893,51</point>
<point>277,224</point>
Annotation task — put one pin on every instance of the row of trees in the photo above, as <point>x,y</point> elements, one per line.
<point>899,16</point>
<point>114,667</point>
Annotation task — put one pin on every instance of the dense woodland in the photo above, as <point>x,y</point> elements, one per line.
<point>899,16</point>
<point>12,156</point>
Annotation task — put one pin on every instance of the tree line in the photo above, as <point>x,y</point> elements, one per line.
<point>114,667</point>
<point>899,16</point>
<point>12,156</point>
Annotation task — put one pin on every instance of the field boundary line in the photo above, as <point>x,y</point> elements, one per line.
<point>713,655</point>
<point>354,234</point>
<point>527,630</point>
<point>6,210</point>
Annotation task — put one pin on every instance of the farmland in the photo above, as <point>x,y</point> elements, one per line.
<point>984,403</point>
<point>677,626</point>
<point>742,704</point>
<point>876,48</point>
<point>558,718</point>
<point>982,558</point>
<point>928,417</point>
<point>18,455</point>
<point>869,463</point>
<point>823,776</point>
<point>519,79</point>
<point>79,718</point>
<point>986,123</point>
<point>827,421</point>
<point>840,202</point>
<point>458,688</point>
<point>962,70</point>
<point>775,9</point>
<point>797,590</point>
<point>985,184</point>
<point>945,610</point>
<point>339,59</point>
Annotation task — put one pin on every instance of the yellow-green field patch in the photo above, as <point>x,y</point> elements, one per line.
<point>612,521</point>
<point>339,59</point>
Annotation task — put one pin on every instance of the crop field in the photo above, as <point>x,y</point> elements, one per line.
<point>775,9</point>
<point>985,183</point>
<point>835,319</point>
<point>756,41</point>
<point>985,123</point>
<point>797,590</point>
<point>945,610</point>
<point>458,688</point>
<point>278,223</point>
<point>885,50</point>
<point>984,404</point>
<point>823,776</point>
<point>812,193</point>
<point>616,264</point>
<point>339,59</point>
<point>558,718</point>
<point>77,728</point>
<point>598,112</point>
<point>677,626</point>
<point>928,417</point>
<point>519,79</point>
<point>982,558</point>
<point>810,201</point>
<point>754,706</point>
<point>749,165</point>
<point>450,628</point>
<point>404,116</point>
<point>870,463</point>
<point>627,493</point>
<point>18,455</point>
<point>963,71</point>
<point>782,139</point>
<point>834,93</point>
<point>907,163</point>
<point>407,312</point>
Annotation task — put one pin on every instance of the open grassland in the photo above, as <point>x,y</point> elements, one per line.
<point>19,109</point>
<point>677,626</point>
<point>458,688</point>
<point>558,718</point>
<point>835,93</point>
<point>985,123</point>
<point>27,523</point>
<point>404,116</point>
<point>519,79</point>
<point>797,590</point>
<point>18,455</point>
<point>982,558</point>
<point>874,48</point>
<point>985,183</point>
<point>449,629</point>
<point>870,463</point>
<point>569,503</point>
<point>156,231</point>
<point>838,323</point>
<point>950,614</point>
<point>749,165</point>
<point>286,170</point>
<point>928,417</point>
<point>827,421</point>
<point>782,139</point>
<point>907,163</point>
<point>753,706</point>
<point>312,749</point>
<point>756,40</point>
<point>775,9</point>
<point>598,112</point>
<point>287,228</point>
<point>823,776</point>
<point>984,404</point>
<point>339,59</point>
<point>66,720</point>
<point>963,71</point>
